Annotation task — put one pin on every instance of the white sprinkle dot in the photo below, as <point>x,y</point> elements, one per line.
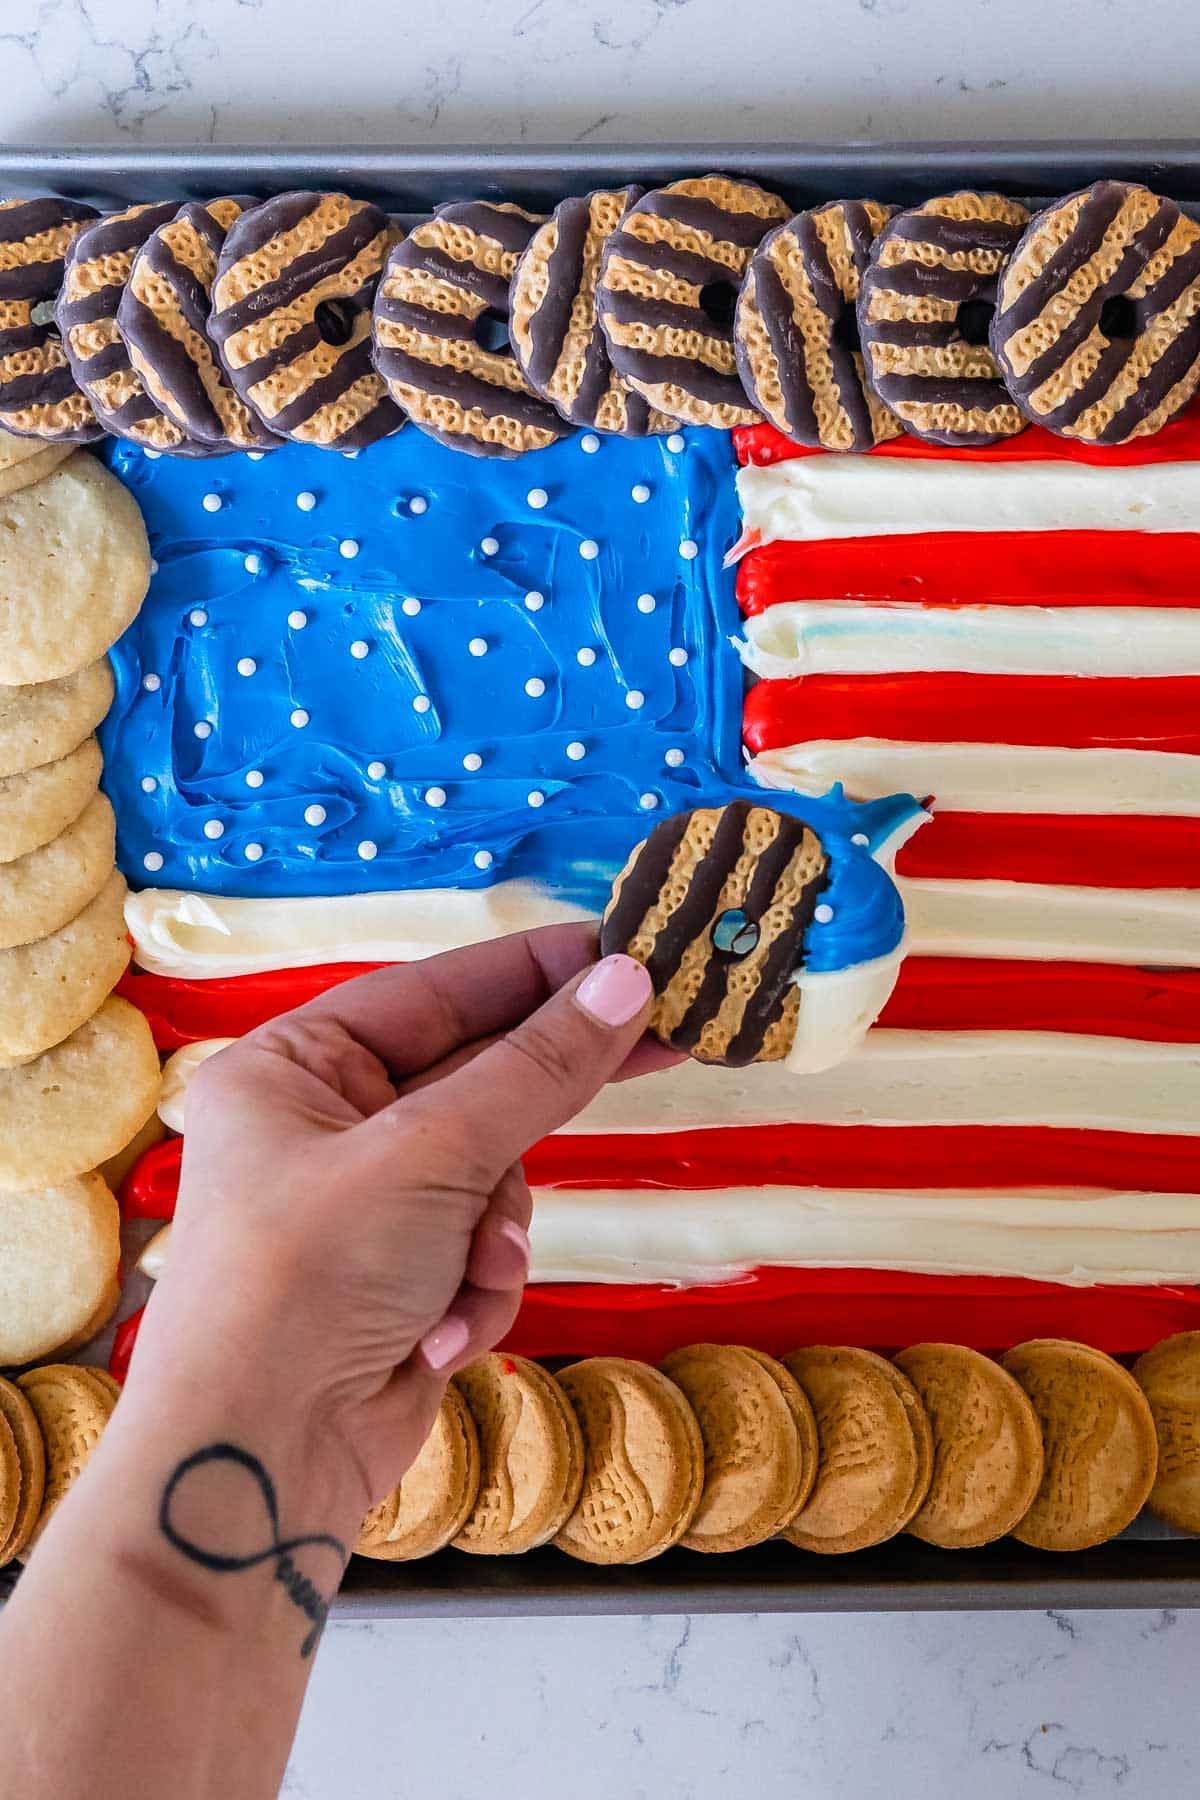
<point>213,828</point>
<point>674,759</point>
<point>252,564</point>
<point>376,770</point>
<point>589,549</point>
<point>149,785</point>
<point>306,501</point>
<point>589,443</point>
<point>488,546</point>
<point>689,549</point>
<point>246,665</point>
<point>297,620</point>
<point>254,455</point>
<point>211,503</point>
<point>349,455</point>
<point>861,839</point>
<point>152,683</point>
<point>253,852</point>
<point>152,861</point>
<point>639,492</point>
<point>823,913</point>
<point>478,647</point>
<point>648,802</point>
<point>435,796</point>
<point>410,607</point>
<point>198,616</point>
<point>483,859</point>
<point>368,851</point>
<point>153,456</point>
<point>299,718</point>
<point>585,657</point>
<point>154,565</point>
<point>418,504</point>
<point>254,778</point>
<point>576,751</point>
<point>677,658</point>
<point>675,442</point>
<point>535,601</point>
<point>635,699</point>
<point>537,498</point>
<point>202,728</point>
<point>421,703</point>
<point>348,548</point>
<point>535,687</point>
<point>646,603</point>
<point>535,797</point>
<point>472,761</point>
<point>360,648</point>
<point>314,815</point>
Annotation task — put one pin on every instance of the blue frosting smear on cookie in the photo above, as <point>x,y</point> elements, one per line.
<point>408,668</point>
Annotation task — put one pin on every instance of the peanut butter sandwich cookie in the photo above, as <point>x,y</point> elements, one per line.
<point>531,1452</point>
<point>1100,1447</point>
<point>643,1461</point>
<point>430,1505</point>
<point>50,987</point>
<point>669,281</point>
<point>22,1425</point>
<point>1169,1376</point>
<point>39,396</point>
<point>442,332</point>
<point>760,1444</point>
<point>72,1410</point>
<point>60,1248</point>
<point>715,903</point>
<point>924,313</point>
<point>796,328</point>
<point>163,318</point>
<point>876,1450</point>
<point>987,1446</point>
<point>1097,325</point>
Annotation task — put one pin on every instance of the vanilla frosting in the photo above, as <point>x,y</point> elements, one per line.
<point>177,1075</point>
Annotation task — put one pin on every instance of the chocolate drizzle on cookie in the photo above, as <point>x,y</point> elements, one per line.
<point>796,334</point>
<point>291,317</point>
<point>668,283</point>
<point>39,396</point>
<point>1097,330</point>
<point>722,998</point>
<point>443,287</point>
<point>923,315</point>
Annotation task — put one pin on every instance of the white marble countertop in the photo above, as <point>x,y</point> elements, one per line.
<point>997,1705</point>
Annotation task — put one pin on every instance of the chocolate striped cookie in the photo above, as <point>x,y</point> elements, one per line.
<point>442,331</point>
<point>924,312</point>
<point>795,331</point>
<point>553,324</point>
<point>1097,325</point>
<point>163,318</point>
<point>291,317</point>
<point>38,393</point>
<point>716,903</point>
<point>97,268</point>
<point>669,281</point>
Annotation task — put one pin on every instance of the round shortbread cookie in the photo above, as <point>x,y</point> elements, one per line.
<point>78,1103</point>
<point>105,1307</point>
<point>31,1453</point>
<point>1100,1446</point>
<point>987,1446</point>
<point>436,1495</point>
<point>643,1461</point>
<point>115,1168</point>
<point>38,393</point>
<point>756,1471</point>
<point>1169,1376</point>
<point>291,317</point>
<point>50,987</point>
<point>46,720</point>
<point>24,461</point>
<point>531,1453</point>
<point>41,803</point>
<point>72,1411</point>
<point>10,1485</point>
<point>74,569</point>
<point>60,1247</point>
<point>41,891</point>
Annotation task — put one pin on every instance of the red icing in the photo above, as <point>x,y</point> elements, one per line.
<point>151,1188</point>
<point>944,993</point>
<point>182,1012</point>
<point>1084,851</point>
<point>123,1342</point>
<point>1177,442</point>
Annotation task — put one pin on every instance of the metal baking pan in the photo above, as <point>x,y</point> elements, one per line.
<point>1144,1568</point>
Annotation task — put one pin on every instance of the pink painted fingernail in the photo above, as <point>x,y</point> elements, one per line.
<point>511,1232</point>
<point>616,990</point>
<point>446,1341</point>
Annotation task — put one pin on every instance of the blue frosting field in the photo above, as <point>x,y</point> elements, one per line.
<point>414,572</point>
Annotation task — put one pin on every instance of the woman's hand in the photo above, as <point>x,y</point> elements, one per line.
<point>352,1215</point>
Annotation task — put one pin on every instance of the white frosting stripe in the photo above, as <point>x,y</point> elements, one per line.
<point>863,496</point>
<point>839,637</point>
<point>981,778</point>
<point>1036,922</point>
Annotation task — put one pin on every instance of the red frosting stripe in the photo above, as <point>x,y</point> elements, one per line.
<point>182,1012</point>
<point>1179,441</point>
<point>151,1188</point>
<point>1075,851</point>
<point>945,993</point>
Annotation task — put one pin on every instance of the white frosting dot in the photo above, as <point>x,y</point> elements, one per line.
<point>535,687</point>
<point>299,718</point>
<point>861,839</point>
<point>254,778</point>
<point>646,603</point>
<point>478,647</point>
<point>202,728</point>
<point>635,699</point>
<point>488,546</point>
<point>585,657</point>
<point>576,750</point>
<point>483,859</point>
<point>535,797</point>
<point>348,548</point>
<point>149,785</point>
<point>589,549</point>
<point>152,455</point>
<point>472,761</point>
<point>675,442</point>
<point>677,658</point>
<point>674,759</point>
<point>823,913</point>
<point>297,620</point>
<point>537,498</point>
<point>410,606</point>
<point>376,770</point>
<point>648,802</point>
<point>252,564</point>
<point>254,455</point>
<point>418,504</point>
<point>350,455</point>
<point>246,665</point>
<point>368,851</point>
<point>689,549</point>
<point>314,814</point>
<point>211,503</point>
<point>589,443</point>
<point>639,492</point>
<point>360,648</point>
<point>421,703</point>
<point>198,616</point>
<point>152,861</point>
<point>306,500</point>
<point>213,828</point>
<point>152,683</point>
<point>535,601</point>
<point>435,796</point>
<point>253,852</point>
<point>154,565</point>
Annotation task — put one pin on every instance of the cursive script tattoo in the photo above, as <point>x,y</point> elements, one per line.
<point>298,1588</point>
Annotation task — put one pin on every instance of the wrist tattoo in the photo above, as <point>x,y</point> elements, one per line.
<point>279,1550</point>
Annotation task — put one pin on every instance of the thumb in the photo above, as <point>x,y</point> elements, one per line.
<point>540,1074</point>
